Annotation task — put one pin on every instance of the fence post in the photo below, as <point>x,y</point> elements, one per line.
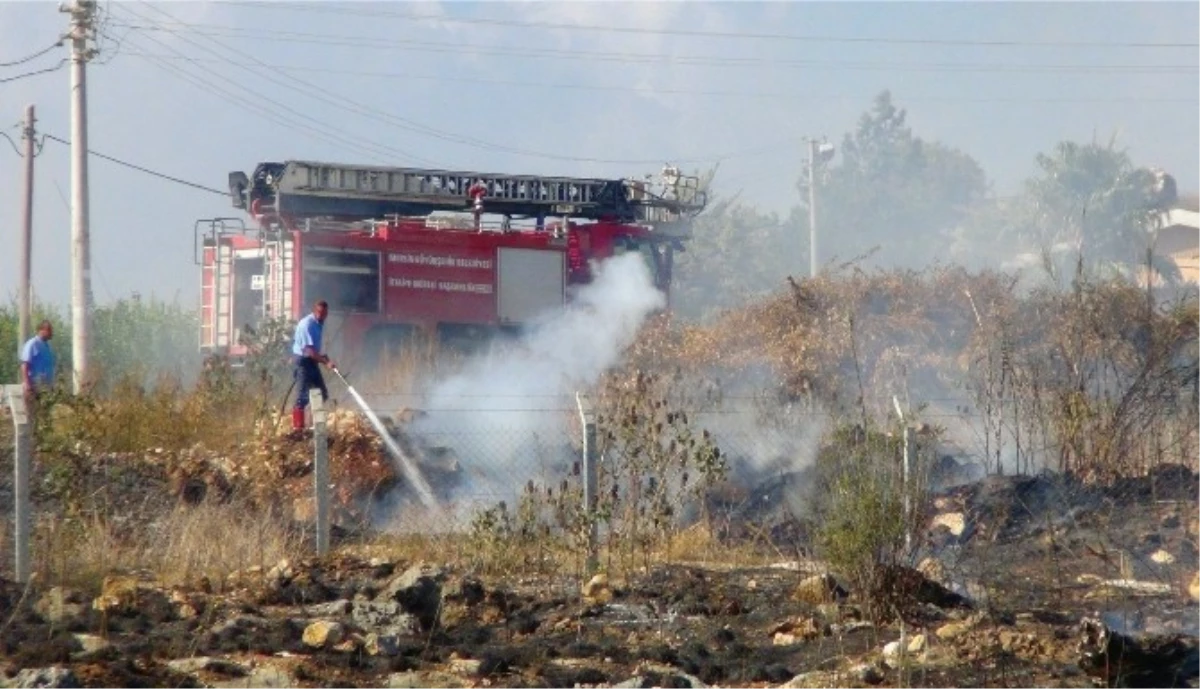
<point>23,452</point>
<point>908,457</point>
<point>320,470</point>
<point>909,451</point>
<point>588,420</point>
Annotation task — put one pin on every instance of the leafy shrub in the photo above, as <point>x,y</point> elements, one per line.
<point>860,518</point>
<point>137,339</point>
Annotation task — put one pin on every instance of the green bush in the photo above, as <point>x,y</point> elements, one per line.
<point>145,339</point>
<point>132,339</point>
<point>859,517</point>
<point>9,322</point>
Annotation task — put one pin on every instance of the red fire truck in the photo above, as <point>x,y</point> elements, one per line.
<point>459,256</point>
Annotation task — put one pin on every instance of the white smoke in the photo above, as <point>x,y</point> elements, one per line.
<point>507,414</point>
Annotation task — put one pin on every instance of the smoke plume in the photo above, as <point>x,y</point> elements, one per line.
<point>506,414</point>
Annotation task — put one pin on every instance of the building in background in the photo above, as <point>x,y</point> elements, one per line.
<point>1179,240</point>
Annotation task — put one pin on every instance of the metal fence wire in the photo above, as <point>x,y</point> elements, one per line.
<point>559,469</point>
<point>729,466</point>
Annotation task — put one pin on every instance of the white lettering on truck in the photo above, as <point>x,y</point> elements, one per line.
<point>441,261</point>
<point>441,285</point>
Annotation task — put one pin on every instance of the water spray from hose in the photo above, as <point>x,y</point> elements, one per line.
<point>407,464</point>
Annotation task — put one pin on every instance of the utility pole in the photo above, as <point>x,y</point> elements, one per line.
<point>812,209</point>
<point>819,153</point>
<point>23,293</point>
<point>82,13</point>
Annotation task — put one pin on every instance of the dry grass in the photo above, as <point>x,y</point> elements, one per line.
<point>133,417</point>
<point>182,547</point>
<point>697,544</point>
<point>1089,376</point>
<point>408,369</point>
<point>1072,380</point>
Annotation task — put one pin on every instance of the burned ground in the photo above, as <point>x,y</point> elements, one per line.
<point>1014,565</point>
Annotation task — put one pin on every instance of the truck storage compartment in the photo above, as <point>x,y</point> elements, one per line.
<point>530,283</point>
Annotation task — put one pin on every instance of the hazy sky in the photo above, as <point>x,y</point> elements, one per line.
<point>196,90</point>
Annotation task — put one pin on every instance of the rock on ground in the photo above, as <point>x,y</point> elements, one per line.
<point>419,593</point>
<point>385,617</point>
<point>415,680</point>
<point>323,634</point>
<point>45,677</point>
<point>264,676</point>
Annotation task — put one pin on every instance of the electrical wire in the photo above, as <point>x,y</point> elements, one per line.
<point>12,143</point>
<point>254,102</point>
<point>139,168</point>
<point>778,95</point>
<point>811,38</point>
<point>34,73</point>
<point>317,93</point>
<point>233,32</point>
<point>102,25</point>
<point>30,58</point>
<point>741,154</point>
<point>323,95</point>
<point>305,88</point>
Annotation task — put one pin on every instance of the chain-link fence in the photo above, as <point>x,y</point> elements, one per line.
<point>697,478</point>
<point>730,469</point>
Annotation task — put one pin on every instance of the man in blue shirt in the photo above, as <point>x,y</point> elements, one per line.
<point>306,353</point>
<point>37,361</point>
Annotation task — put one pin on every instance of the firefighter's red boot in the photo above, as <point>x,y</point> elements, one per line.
<point>297,423</point>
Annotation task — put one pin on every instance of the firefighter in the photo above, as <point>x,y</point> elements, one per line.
<point>306,351</point>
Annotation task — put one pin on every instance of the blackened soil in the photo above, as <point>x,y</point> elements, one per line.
<point>1027,544</point>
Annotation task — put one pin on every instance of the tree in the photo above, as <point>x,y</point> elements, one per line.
<point>893,191</point>
<point>736,253</point>
<point>1092,199</point>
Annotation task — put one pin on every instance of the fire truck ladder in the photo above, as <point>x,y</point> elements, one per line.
<point>307,189</point>
<point>215,304</point>
<point>217,278</point>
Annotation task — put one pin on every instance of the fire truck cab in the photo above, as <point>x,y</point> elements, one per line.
<point>397,252</point>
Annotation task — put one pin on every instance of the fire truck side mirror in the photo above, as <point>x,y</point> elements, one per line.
<point>238,184</point>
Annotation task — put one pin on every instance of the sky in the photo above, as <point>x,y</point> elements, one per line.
<point>196,90</point>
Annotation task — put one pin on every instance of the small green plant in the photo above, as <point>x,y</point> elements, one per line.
<point>502,541</point>
<point>860,520</point>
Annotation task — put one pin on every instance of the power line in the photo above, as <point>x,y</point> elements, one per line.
<point>790,95</point>
<point>310,90</point>
<point>139,168</point>
<point>233,32</point>
<point>251,103</point>
<point>267,114</point>
<point>34,73</point>
<point>739,154</point>
<point>254,103</point>
<point>30,58</point>
<point>38,145</point>
<point>809,38</point>
<point>322,94</point>
<point>305,88</point>
<point>16,149</point>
